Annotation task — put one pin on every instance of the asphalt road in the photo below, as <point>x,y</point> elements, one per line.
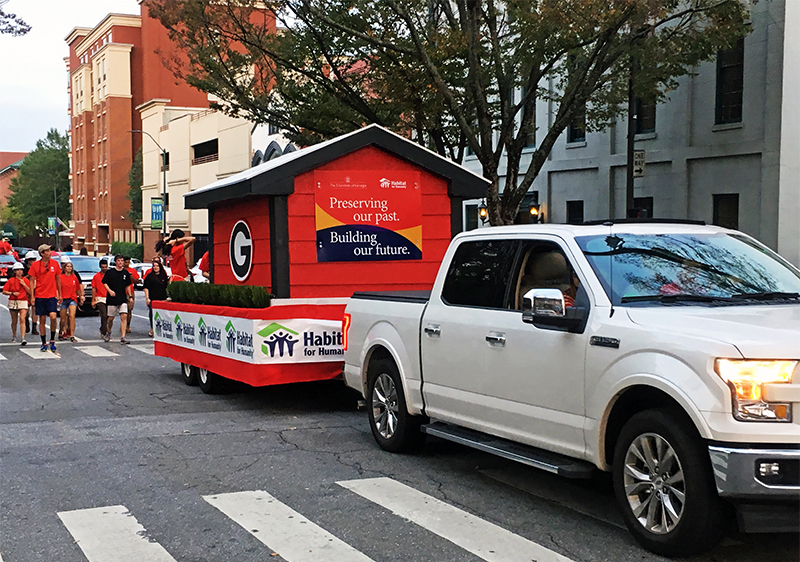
<point>117,456</point>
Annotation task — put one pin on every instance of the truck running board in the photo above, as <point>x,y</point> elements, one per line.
<point>537,458</point>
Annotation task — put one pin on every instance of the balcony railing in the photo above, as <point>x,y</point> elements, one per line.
<point>204,159</point>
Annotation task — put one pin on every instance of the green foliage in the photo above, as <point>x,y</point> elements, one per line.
<point>42,186</point>
<point>236,296</point>
<point>135,176</point>
<point>464,73</point>
<point>130,249</point>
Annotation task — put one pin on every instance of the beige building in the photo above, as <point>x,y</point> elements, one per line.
<point>202,146</point>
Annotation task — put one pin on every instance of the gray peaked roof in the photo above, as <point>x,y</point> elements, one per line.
<point>276,177</point>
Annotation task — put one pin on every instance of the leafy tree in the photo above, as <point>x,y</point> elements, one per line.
<point>10,24</point>
<point>135,178</point>
<point>452,73</point>
<point>42,184</point>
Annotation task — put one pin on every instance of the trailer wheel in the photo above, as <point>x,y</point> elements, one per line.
<point>664,485</point>
<point>189,374</point>
<point>393,428</point>
<point>210,383</point>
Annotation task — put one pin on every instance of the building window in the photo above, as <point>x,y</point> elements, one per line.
<point>645,116</point>
<point>576,131</point>
<point>726,210</point>
<point>273,129</point>
<point>574,212</point>
<point>470,217</point>
<point>730,84</point>
<point>205,152</point>
<point>645,207</point>
<point>530,139</point>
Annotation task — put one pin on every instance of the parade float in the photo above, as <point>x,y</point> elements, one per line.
<point>367,211</point>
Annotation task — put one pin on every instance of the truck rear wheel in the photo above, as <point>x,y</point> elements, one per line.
<point>392,426</point>
<point>664,485</point>
<point>210,383</point>
<point>189,374</point>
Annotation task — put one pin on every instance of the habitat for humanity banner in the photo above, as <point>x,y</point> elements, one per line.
<point>368,215</point>
<point>296,340</point>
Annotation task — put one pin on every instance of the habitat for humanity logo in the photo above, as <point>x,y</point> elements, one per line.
<point>392,184</point>
<point>178,327</point>
<point>158,324</point>
<point>278,340</point>
<point>163,326</point>
<point>230,342</point>
<point>202,331</point>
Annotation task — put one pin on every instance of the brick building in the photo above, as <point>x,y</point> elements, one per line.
<point>113,68</point>
<point>9,169</point>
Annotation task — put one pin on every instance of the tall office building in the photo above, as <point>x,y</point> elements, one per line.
<point>114,68</point>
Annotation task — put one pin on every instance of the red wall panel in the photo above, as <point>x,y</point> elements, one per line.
<point>256,213</point>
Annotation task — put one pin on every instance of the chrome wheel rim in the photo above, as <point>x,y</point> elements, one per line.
<point>384,405</point>
<point>187,370</point>
<point>654,483</point>
<point>202,375</point>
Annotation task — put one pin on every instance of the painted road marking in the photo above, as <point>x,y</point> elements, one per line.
<point>97,351</point>
<point>2,358</point>
<point>285,531</point>
<point>482,538</point>
<point>112,534</point>
<point>149,349</point>
<point>34,353</point>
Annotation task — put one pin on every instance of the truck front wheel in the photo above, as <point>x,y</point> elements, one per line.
<point>664,485</point>
<point>392,426</point>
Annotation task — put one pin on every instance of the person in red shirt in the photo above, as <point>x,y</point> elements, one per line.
<point>71,295</point>
<point>174,247</point>
<point>99,294</point>
<point>46,288</point>
<point>18,290</point>
<point>204,266</point>
<point>5,247</point>
<point>132,296</point>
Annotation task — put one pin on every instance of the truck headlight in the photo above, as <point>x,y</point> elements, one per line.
<point>745,377</point>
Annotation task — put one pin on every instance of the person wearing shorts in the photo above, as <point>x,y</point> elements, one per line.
<point>118,285</point>
<point>46,288</point>
<point>99,297</point>
<point>132,297</point>
<point>18,290</point>
<point>71,295</point>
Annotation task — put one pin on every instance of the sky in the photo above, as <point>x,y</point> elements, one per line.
<point>33,85</point>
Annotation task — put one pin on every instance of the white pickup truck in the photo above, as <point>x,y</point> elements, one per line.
<point>666,353</point>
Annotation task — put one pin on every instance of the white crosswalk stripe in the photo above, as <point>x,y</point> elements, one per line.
<point>112,534</point>
<point>144,348</point>
<point>35,353</point>
<point>292,536</point>
<point>2,358</point>
<point>482,538</point>
<point>97,351</point>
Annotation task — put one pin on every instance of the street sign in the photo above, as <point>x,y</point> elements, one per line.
<point>156,213</point>
<point>51,225</point>
<point>638,163</point>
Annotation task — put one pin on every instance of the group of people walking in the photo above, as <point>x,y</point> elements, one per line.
<point>46,289</point>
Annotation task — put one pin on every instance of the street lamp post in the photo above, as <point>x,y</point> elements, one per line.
<point>164,189</point>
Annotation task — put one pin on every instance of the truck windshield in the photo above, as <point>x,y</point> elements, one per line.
<point>719,268</point>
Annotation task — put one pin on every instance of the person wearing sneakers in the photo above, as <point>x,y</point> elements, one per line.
<point>71,295</point>
<point>99,297</point>
<point>132,297</point>
<point>32,321</point>
<point>118,285</point>
<point>46,288</point>
<point>18,290</point>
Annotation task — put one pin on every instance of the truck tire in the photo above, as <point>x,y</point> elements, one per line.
<point>210,383</point>
<point>393,428</point>
<point>189,374</point>
<point>664,485</point>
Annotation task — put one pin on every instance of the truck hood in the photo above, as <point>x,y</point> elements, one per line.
<point>759,332</point>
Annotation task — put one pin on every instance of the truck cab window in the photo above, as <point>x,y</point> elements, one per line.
<point>479,274</point>
<point>544,266</point>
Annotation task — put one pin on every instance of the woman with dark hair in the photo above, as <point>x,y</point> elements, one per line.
<point>155,287</point>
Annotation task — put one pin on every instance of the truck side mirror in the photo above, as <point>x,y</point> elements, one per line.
<point>543,302</point>
<point>544,308</point>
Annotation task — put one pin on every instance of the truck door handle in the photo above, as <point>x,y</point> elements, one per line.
<point>496,338</point>
<point>433,330</point>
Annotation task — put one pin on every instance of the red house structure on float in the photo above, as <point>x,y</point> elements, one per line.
<point>366,211</point>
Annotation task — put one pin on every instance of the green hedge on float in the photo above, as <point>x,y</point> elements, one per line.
<point>236,296</point>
